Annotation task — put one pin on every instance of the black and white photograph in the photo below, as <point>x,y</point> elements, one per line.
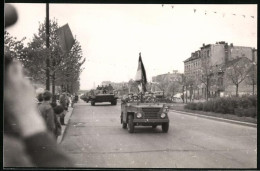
<point>95,85</point>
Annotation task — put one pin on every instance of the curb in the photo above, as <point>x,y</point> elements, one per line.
<point>66,120</point>
<point>219,119</point>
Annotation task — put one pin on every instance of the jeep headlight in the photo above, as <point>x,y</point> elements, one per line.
<point>163,115</point>
<point>139,115</point>
<point>165,110</point>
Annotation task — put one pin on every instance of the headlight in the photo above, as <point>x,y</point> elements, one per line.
<point>163,115</point>
<point>165,110</point>
<point>138,115</point>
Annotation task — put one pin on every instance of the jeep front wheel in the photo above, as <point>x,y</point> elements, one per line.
<point>130,124</point>
<point>165,127</point>
<point>124,125</point>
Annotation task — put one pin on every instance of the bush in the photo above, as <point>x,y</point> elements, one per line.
<point>253,100</point>
<point>199,106</point>
<point>244,102</point>
<point>247,112</point>
<point>191,106</point>
<point>240,106</point>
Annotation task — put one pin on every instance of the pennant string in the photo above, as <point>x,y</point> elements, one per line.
<point>215,12</point>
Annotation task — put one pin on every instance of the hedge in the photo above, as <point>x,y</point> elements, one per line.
<point>240,106</point>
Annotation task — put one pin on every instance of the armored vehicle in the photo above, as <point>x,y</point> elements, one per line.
<point>97,96</point>
<point>85,97</point>
<point>134,113</point>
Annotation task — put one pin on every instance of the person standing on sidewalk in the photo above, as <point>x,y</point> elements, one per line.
<point>63,103</point>
<point>58,110</point>
<point>47,111</point>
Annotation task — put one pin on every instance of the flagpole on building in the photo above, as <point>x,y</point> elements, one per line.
<point>47,46</point>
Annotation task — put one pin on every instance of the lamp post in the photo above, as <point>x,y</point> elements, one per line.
<point>47,46</point>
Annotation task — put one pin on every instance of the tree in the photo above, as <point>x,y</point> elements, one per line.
<point>64,69</point>
<point>133,86</point>
<point>252,76</point>
<point>188,83</point>
<point>237,71</point>
<point>16,47</point>
<point>69,71</point>
<point>173,88</point>
<point>205,75</point>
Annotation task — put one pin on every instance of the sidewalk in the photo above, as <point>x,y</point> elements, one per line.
<point>63,127</point>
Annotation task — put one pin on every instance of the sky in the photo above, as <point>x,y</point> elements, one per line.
<point>113,35</point>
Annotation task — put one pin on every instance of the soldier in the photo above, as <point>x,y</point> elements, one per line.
<point>110,88</point>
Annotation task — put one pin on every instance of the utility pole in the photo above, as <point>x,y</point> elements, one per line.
<point>47,46</point>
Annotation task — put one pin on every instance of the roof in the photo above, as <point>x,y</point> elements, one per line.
<point>192,58</point>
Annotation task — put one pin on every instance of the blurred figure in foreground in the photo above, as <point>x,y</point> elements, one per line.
<point>27,143</point>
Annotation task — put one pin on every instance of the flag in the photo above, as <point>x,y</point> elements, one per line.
<point>140,76</point>
<point>66,39</point>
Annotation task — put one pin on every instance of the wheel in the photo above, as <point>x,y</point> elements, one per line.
<point>92,103</point>
<point>130,124</point>
<point>165,127</point>
<point>154,126</point>
<point>114,102</point>
<point>124,125</point>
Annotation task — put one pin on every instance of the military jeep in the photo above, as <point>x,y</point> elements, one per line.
<point>135,113</point>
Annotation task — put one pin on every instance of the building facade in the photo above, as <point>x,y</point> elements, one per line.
<point>204,70</point>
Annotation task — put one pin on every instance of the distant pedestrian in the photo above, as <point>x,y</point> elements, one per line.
<point>68,100</point>
<point>47,111</point>
<point>63,101</point>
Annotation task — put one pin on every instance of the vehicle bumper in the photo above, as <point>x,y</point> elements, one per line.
<point>150,120</point>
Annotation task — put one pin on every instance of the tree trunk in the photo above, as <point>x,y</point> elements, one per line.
<point>253,87</point>
<point>237,90</point>
<point>186,94</point>
<point>183,94</point>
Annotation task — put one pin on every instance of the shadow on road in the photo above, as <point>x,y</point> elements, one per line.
<point>147,130</point>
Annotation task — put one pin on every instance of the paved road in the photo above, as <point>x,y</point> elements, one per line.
<point>94,138</point>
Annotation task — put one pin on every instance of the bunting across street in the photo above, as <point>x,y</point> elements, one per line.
<point>209,12</point>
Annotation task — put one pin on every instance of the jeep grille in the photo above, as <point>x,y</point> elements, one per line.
<point>151,113</point>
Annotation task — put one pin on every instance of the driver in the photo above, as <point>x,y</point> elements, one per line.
<point>135,98</point>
